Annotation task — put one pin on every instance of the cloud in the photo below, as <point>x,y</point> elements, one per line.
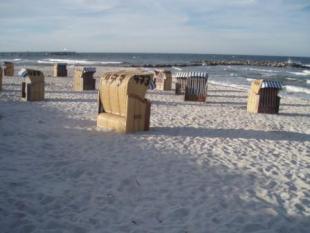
<point>213,26</point>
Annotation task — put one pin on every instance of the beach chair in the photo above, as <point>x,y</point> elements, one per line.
<point>0,78</point>
<point>121,101</point>
<point>8,68</point>
<point>32,85</point>
<point>60,70</point>
<point>163,80</point>
<point>263,97</point>
<point>83,79</point>
<point>196,87</point>
<point>181,81</point>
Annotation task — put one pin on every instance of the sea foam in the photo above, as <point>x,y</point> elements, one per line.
<point>77,62</point>
<point>239,86</point>
<point>303,73</point>
<point>295,89</point>
<point>263,70</point>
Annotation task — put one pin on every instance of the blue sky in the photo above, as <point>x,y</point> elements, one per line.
<point>263,27</point>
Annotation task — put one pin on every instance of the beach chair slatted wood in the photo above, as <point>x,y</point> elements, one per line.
<point>60,70</point>
<point>83,79</point>
<point>196,87</point>
<point>163,80</point>
<point>8,69</point>
<point>32,85</point>
<point>181,81</point>
<point>121,101</point>
<point>263,97</point>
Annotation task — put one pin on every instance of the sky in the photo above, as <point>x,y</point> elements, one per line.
<point>258,27</point>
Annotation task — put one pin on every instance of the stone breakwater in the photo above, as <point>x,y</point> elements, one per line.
<point>224,63</point>
<point>247,63</point>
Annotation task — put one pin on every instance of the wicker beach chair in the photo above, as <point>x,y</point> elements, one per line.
<point>122,106</point>
<point>263,97</point>
<point>163,80</point>
<point>83,79</point>
<point>32,85</point>
<point>181,81</point>
<point>60,70</point>
<point>8,68</point>
<point>196,87</point>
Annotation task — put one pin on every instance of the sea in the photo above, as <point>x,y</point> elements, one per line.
<point>296,81</point>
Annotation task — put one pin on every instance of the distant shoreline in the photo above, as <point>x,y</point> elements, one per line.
<point>154,53</point>
<point>227,63</point>
<point>191,64</point>
<point>151,60</point>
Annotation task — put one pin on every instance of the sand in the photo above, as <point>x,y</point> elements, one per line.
<point>203,167</point>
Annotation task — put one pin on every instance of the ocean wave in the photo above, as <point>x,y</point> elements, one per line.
<point>303,73</point>
<point>11,60</point>
<point>177,68</point>
<point>77,62</point>
<point>250,79</point>
<point>308,81</point>
<point>295,89</point>
<point>238,86</point>
<point>263,70</point>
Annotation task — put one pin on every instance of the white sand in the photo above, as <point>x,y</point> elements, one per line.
<point>203,167</point>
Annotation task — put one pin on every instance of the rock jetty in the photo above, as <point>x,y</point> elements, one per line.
<point>220,63</point>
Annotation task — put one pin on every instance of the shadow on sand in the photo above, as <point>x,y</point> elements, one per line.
<point>3,90</point>
<point>234,91</point>
<point>201,104</point>
<point>230,133</point>
<point>296,105</point>
<point>294,114</point>
<point>229,96</point>
<point>71,100</point>
<point>73,92</point>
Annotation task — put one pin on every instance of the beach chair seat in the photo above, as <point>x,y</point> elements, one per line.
<point>32,85</point>
<point>60,70</point>
<point>163,80</point>
<point>121,101</point>
<point>196,87</point>
<point>83,79</point>
<point>263,97</point>
<point>8,68</point>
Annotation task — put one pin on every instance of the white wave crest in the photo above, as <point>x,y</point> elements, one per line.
<point>250,79</point>
<point>295,89</point>
<point>238,86</point>
<point>263,70</point>
<point>303,73</point>
<point>308,81</point>
<point>176,68</point>
<point>11,60</point>
<point>77,62</point>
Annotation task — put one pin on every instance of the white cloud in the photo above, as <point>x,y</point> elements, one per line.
<point>224,26</point>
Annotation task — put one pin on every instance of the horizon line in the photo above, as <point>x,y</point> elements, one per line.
<point>173,53</point>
